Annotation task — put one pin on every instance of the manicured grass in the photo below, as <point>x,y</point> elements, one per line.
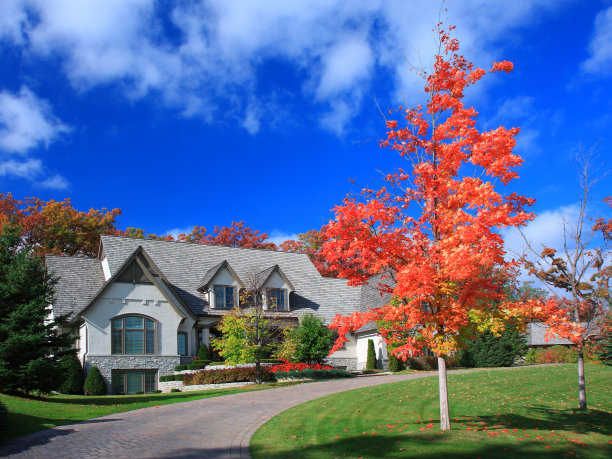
<point>519,412</point>
<point>27,415</point>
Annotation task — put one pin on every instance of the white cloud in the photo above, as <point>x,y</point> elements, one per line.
<point>278,236</point>
<point>29,169</point>
<point>600,46</point>
<point>216,48</point>
<point>56,182</point>
<point>26,122</point>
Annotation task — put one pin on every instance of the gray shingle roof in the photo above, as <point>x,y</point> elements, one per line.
<point>371,298</point>
<point>535,336</point>
<point>185,265</point>
<point>79,279</point>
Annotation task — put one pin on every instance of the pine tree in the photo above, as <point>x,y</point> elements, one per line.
<point>30,344</point>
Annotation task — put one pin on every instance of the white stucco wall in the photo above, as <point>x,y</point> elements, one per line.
<point>82,341</point>
<point>123,298</point>
<point>362,349</point>
<point>349,351</point>
<point>106,268</point>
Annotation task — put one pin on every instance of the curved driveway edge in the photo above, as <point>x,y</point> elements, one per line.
<point>219,427</point>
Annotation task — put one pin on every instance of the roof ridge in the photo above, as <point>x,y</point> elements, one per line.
<point>199,244</point>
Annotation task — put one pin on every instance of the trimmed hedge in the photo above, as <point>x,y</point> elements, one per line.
<point>313,374</point>
<point>72,374</point>
<point>427,363</point>
<point>197,365</point>
<point>371,356</point>
<point>229,375</point>
<point>170,378</point>
<point>553,354</point>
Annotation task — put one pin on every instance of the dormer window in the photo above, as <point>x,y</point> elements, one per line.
<point>276,299</point>
<point>224,297</point>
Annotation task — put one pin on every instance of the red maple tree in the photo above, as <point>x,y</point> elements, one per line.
<point>236,235</point>
<point>431,234</point>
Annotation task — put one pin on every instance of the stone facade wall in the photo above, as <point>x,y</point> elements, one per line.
<point>350,364</point>
<point>164,364</point>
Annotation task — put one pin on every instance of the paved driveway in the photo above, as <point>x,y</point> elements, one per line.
<point>219,427</point>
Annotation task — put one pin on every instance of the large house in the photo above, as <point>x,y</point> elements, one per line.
<point>144,306</point>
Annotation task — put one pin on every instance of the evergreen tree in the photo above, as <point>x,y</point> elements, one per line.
<point>94,383</point>
<point>204,353</point>
<point>31,345</point>
<point>488,350</point>
<point>371,362</point>
<point>315,339</point>
<point>73,375</point>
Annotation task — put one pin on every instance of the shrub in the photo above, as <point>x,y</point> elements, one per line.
<point>553,354</point>
<point>396,364</point>
<point>204,352</point>
<point>288,366</point>
<point>94,383</point>
<point>170,378</point>
<point>138,392</point>
<point>313,374</point>
<point>229,375</point>
<point>488,350</point>
<point>199,365</point>
<point>174,389</point>
<point>72,374</point>
<point>180,367</point>
<point>157,391</point>
<point>371,361</point>
<point>314,339</point>
<point>418,364</point>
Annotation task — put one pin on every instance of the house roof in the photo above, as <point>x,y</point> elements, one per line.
<point>535,336</point>
<point>186,265</point>
<point>79,280</point>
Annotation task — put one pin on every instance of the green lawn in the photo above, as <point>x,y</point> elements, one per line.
<point>27,415</point>
<point>528,412</point>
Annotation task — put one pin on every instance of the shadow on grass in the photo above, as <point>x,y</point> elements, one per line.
<point>424,446</point>
<point>543,418</point>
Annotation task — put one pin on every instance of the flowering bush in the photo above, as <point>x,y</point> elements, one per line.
<point>288,366</point>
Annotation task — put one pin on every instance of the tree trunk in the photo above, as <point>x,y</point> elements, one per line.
<point>581,382</point>
<point>257,371</point>
<point>444,414</point>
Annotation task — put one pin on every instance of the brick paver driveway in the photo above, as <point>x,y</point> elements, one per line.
<point>219,427</point>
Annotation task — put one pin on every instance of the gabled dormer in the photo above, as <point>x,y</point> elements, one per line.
<point>276,288</point>
<point>222,286</point>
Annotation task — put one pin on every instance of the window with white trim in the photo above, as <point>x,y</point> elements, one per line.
<point>224,297</point>
<point>276,299</point>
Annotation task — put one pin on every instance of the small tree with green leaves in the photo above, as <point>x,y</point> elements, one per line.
<point>289,346</point>
<point>249,334</point>
<point>73,375</point>
<point>371,362</point>
<point>31,344</point>
<point>315,339</point>
<point>94,383</point>
<point>489,350</point>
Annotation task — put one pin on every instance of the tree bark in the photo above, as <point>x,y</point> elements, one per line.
<point>581,382</point>
<point>444,414</point>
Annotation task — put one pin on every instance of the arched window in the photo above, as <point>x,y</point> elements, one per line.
<point>133,335</point>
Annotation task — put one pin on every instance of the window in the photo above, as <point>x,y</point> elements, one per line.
<point>133,335</point>
<point>224,296</point>
<point>276,299</point>
<point>133,274</point>
<point>130,381</point>
<point>182,343</point>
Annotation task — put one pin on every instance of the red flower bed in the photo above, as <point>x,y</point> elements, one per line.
<point>288,366</point>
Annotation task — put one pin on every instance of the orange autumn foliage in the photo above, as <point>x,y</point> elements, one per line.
<point>432,232</point>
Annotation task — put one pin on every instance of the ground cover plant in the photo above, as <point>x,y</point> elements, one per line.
<point>526,411</point>
<point>27,415</point>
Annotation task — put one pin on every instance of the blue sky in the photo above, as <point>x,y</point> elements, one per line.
<point>203,113</point>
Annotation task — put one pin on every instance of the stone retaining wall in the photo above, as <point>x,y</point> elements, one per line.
<point>166,386</point>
